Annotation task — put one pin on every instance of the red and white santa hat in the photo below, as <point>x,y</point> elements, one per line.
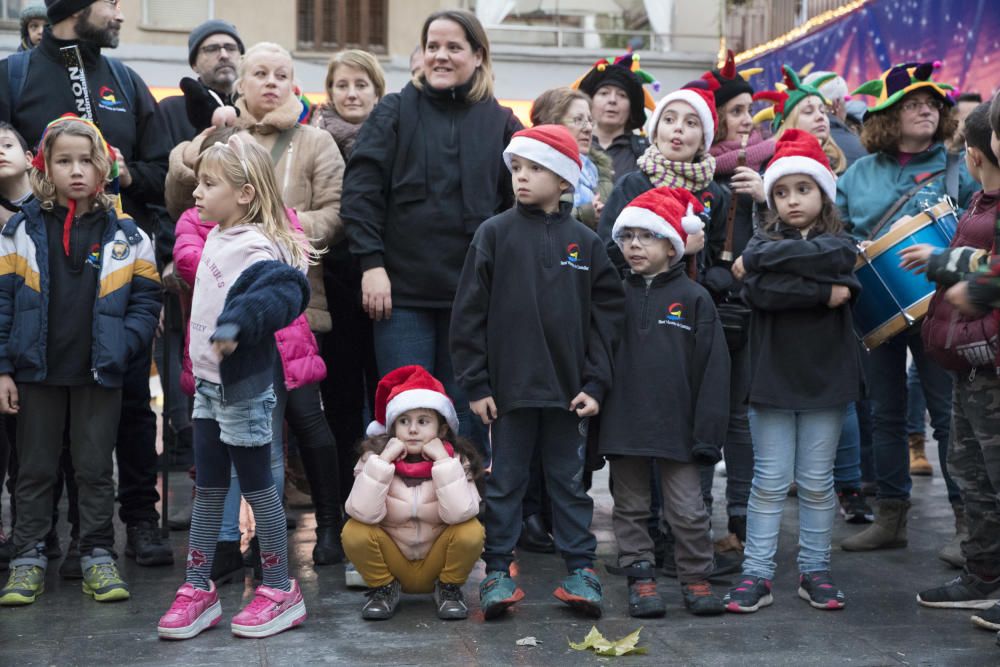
<point>701,99</point>
<point>798,152</point>
<point>551,146</point>
<point>669,212</point>
<point>409,388</point>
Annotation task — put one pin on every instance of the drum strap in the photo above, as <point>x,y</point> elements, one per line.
<point>951,184</point>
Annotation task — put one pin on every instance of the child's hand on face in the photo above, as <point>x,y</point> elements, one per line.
<point>434,450</point>
<point>839,295</point>
<point>394,449</point>
<point>584,405</point>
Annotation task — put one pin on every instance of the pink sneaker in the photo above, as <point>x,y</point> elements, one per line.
<point>193,610</point>
<point>271,611</point>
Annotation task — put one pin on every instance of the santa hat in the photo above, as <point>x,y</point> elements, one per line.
<point>669,212</point>
<point>551,146</point>
<point>409,388</point>
<point>798,152</point>
<point>700,98</point>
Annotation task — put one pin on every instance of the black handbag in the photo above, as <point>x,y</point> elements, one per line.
<point>735,319</point>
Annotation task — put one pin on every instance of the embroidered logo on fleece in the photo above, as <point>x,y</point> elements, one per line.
<point>573,258</point>
<point>108,101</point>
<point>119,250</point>
<point>675,317</point>
<point>94,257</point>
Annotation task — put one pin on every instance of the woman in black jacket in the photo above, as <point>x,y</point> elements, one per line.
<point>426,171</point>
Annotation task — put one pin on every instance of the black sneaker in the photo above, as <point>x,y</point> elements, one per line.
<point>854,508</point>
<point>965,592</point>
<point>701,600</point>
<point>749,595</point>
<point>382,602</point>
<point>450,602</point>
<point>70,568</point>
<point>644,600</point>
<point>818,589</point>
<point>147,546</point>
<point>228,563</point>
<point>988,618</point>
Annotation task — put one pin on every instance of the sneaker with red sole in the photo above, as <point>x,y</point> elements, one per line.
<point>582,591</point>
<point>749,595</point>
<point>818,589</point>
<point>271,611</point>
<point>193,611</point>
<point>497,593</point>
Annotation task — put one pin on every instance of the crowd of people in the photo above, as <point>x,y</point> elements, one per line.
<point>461,319</point>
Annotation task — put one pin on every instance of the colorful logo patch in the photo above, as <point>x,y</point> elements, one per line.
<point>119,250</point>
<point>573,252</point>
<point>94,257</point>
<point>108,101</point>
<point>675,312</point>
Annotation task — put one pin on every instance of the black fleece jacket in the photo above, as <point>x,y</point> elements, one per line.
<point>670,396</point>
<point>804,355</point>
<point>537,313</point>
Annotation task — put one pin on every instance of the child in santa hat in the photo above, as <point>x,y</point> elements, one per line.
<point>669,402</point>
<point>413,507</point>
<point>533,328</point>
<point>799,280</point>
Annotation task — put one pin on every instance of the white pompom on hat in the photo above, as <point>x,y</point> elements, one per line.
<point>669,212</point>
<point>409,388</point>
<point>798,152</point>
<point>551,146</point>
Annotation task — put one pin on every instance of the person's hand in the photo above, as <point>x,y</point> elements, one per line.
<point>224,117</point>
<point>485,409</point>
<point>434,450</point>
<point>598,205</point>
<point>223,348</point>
<point>695,243</point>
<point>172,281</point>
<point>839,295</point>
<point>9,403</point>
<point>958,296</point>
<point>124,175</point>
<point>738,270</point>
<point>376,294</point>
<point>864,245</point>
<point>915,257</point>
<point>193,148</point>
<point>584,405</point>
<point>746,181</point>
<point>394,450</point>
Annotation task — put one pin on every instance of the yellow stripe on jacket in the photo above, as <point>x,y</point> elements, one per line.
<point>21,266</point>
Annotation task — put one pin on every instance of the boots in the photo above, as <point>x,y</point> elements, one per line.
<point>888,531</point>
<point>321,468</point>
<point>951,553</point>
<point>534,536</point>
<point>919,465</point>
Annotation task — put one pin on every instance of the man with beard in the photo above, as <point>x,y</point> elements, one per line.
<point>32,93</point>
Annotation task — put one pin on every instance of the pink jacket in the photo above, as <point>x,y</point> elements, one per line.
<point>296,343</point>
<point>415,514</point>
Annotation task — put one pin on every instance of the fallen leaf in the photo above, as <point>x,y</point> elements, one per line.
<point>528,641</point>
<point>602,646</point>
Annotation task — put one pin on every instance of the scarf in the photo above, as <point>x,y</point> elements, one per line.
<point>585,190</point>
<point>419,469</point>
<point>692,176</point>
<point>344,133</point>
<point>726,153</point>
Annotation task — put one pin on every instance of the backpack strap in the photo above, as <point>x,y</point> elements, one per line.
<point>124,80</point>
<point>17,74</point>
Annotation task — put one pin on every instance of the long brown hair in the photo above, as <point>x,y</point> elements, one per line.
<point>475,34</point>
<point>827,222</point>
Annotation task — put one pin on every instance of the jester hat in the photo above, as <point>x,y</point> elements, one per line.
<point>622,72</point>
<point>726,83</point>
<point>111,185</point>
<point>788,94</point>
<point>900,80</point>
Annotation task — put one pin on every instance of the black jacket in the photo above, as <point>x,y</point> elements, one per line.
<point>427,169</point>
<point>139,133</point>
<point>804,355</point>
<point>848,142</point>
<point>537,313</point>
<point>670,396</point>
<point>624,150</point>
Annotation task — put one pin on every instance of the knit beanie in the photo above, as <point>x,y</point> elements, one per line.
<point>622,72</point>
<point>60,10</point>
<point>551,146</point>
<point>798,152</point>
<point>700,98</point>
<point>409,388</point>
<point>726,83</point>
<point>669,212</point>
<point>206,30</point>
<point>32,12</point>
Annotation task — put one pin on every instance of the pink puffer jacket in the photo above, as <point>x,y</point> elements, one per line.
<point>296,343</point>
<point>413,514</point>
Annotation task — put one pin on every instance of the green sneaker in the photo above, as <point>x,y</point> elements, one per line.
<point>101,579</point>
<point>582,591</point>
<point>25,583</point>
<point>497,592</point>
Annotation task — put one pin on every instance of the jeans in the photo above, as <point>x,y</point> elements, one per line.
<point>847,466</point>
<point>887,382</point>
<point>916,404</point>
<point>799,446</point>
<point>136,449</point>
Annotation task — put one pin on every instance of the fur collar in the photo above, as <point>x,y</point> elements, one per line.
<point>282,118</point>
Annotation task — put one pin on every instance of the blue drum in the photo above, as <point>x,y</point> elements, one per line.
<point>893,299</point>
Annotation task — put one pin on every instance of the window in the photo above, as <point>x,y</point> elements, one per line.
<point>342,24</point>
<point>10,10</point>
<point>175,14</point>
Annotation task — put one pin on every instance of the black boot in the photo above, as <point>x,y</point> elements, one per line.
<point>534,537</point>
<point>321,469</point>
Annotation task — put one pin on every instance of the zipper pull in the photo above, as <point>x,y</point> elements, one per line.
<point>972,374</point>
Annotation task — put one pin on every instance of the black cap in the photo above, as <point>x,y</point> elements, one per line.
<point>60,10</point>
<point>206,30</point>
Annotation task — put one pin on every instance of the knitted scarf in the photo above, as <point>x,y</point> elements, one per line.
<point>759,151</point>
<point>419,469</point>
<point>344,133</point>
<point>692,176</point>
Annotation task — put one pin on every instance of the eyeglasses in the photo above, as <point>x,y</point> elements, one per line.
<point>214,49</point>
<point>643,236</point>
<point>915,105</point>
<point>579,121</point>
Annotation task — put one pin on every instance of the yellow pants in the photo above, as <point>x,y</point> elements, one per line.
<point>379,560</point>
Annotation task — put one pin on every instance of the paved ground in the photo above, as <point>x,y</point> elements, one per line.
<point>882,624</point>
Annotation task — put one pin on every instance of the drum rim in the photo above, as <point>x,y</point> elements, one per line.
<point>885,242</point>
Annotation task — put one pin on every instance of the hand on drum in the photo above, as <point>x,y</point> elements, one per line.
<point>839,295</point>
<point>958,296</point>
<point>376,294</point>
<point>746,181</point>
<point>915,257</point>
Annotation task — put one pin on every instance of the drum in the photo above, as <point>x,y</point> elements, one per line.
<point>892,298</point>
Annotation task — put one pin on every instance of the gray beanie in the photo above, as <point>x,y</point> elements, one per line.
<point>206,30</point>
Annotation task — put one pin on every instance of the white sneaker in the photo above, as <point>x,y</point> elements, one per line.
<point>352,577</point>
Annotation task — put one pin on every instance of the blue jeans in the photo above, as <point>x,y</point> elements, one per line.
<point>916,404</point>
<point>789,445</point>
<point>888,382</point>
<point>847,466</point>
<point>420,336</point>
